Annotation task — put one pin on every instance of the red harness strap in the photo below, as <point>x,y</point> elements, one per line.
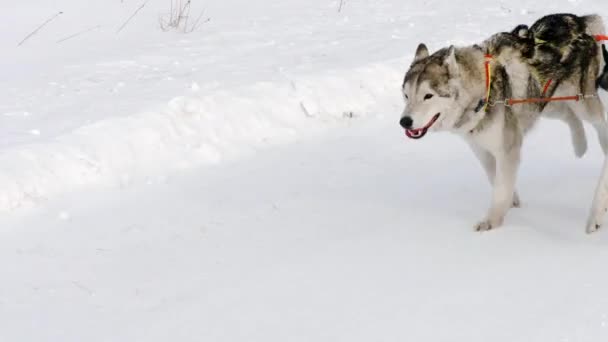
<point>488,59</point>
<point>547,87</point>
<point>511,102</point>
<point>601,37</point>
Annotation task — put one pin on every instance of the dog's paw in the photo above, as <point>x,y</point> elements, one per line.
<point>579,142</point>
<point>592,228</point>
<point>580,150</point>
<point>488,224</point>
<point>594,222</point>
<point>484,226</point>
<point>516,201</point>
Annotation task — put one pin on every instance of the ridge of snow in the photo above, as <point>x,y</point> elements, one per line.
<point>199,128</point>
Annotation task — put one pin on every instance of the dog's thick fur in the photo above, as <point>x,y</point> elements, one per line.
<point>445,91</point>
<point>563,44</point>
<point>602,81</point>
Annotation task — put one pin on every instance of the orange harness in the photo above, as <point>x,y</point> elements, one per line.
<point>601,37</point>
<point>543,99</point>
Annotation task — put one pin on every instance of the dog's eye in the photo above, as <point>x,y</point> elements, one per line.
<point>428,96</point>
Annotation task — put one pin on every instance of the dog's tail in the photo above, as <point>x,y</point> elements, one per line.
<point>595,26</point>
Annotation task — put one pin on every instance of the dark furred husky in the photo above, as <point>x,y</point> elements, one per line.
<point>565,44</point>
<point>603,80</point>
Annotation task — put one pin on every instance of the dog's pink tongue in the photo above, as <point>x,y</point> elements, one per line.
<point>413,133</point>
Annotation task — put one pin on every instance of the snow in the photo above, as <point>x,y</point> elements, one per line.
<point>275,247</point>
<point>190,130</point>
<point>248,181</point>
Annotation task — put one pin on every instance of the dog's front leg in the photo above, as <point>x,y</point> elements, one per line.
<point>507,164</point>
<point>488,162</point>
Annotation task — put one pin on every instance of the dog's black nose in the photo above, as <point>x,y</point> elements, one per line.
<point>406,122</point>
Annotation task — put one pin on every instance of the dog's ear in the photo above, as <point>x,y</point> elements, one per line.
<point>422,52</point>
<point>451,61</point>
<point>522,31</point>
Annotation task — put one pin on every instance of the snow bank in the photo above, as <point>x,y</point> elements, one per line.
<point>202,127</point>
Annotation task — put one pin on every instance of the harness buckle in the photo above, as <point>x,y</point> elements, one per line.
<point>505,103</point>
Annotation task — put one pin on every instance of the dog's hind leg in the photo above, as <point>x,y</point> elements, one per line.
<point>602,80</point>
<point>488,162</point>
<point>561,111</point>
<point>592,110</point>
<point>577,133</point>
<point>600,202</point>
<point>599,121</point>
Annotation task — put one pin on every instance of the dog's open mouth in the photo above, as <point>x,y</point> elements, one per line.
<point>421,132</point>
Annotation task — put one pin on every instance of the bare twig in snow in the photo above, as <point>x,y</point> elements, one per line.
<point>341,5</point>
<point>178,17</point>
<point>132,16</point>
<point>78,34</point>
<point>39,28</point>
<point>83,288</point>
<point>186,13</point>
<point>305,110</point>
<point>198,22</point>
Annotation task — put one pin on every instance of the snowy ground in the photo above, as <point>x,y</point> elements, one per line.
<point>317,221</point>
<point>315,241</point>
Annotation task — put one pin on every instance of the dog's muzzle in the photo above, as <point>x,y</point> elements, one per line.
<point>421,132</point>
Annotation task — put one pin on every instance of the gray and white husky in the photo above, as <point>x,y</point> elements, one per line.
<point>446,91</point>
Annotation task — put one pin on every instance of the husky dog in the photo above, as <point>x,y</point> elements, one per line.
<point>447,91</point>
<point>603,80</point>
<point>563,54</point>
<point>563,39</point>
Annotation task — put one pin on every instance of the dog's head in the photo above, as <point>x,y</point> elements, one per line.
<point>430,90</point>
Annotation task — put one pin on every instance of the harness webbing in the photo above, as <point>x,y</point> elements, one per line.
<point>543,99</point>
<point>601,37</point>
<point>488,59</point>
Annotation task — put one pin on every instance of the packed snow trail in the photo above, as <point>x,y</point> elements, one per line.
<point>356,235</point>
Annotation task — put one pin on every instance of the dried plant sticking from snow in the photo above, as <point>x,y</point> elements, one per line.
<point>179,17</point>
